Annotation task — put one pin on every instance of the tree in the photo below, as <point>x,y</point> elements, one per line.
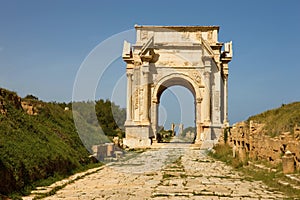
<point>30,96</point>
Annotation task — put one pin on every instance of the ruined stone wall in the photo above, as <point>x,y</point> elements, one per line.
<point>11,98</point>
<point>249,139</point>
<point>8,97</point>
<point>30,108</point>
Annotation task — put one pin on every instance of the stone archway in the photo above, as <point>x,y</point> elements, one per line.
<point>176,79</point>
<point>164,56</point>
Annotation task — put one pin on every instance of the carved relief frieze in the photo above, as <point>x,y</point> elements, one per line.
<point>144,35</point>
<point>141,100</point>
<point>185,35</point>
<point>136,99</point>
<point>198,36</point>
<point>197,77</point>
<point>158,77</point>
<point>195,64</point>
<point>167,63</point>
<point>209,35</point>
<point>217,100</point>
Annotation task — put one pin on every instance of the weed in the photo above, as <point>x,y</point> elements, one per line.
<point>166,176</point>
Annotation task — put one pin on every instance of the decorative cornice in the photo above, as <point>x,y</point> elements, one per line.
<point>179,28</point>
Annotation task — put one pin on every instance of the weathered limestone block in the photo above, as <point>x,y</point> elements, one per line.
<point>253,154</point>
<point>30,108</point>
<point>294,147</point>
<point>252,140</point>
<point>288,163</point>
<point>286,137</point>
<point>110,149</point>
<point>276,152</point>
<point>297,132</point>
<point>141,143</point>
<point>242,154</point>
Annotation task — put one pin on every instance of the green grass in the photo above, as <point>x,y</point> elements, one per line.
<point>167,176</point>
<point>37,147</point>
<point>58,177</point>
<point>271,180</point>
<point>57,188</point>
<point>279,120</point>
<point>37,150</point>
<point>224,153</point>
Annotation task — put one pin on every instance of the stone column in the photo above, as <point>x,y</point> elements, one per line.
<point>180,129</point>
<point>129,97</point>
<point>199,125</point>
<point>225,99</point>
<point>207,97</point>
<point>146,94</point>
<point>154,118</point>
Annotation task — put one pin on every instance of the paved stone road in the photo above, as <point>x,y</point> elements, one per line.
<point>174,171</point>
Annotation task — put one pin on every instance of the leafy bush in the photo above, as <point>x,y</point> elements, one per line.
<point>30,96</point>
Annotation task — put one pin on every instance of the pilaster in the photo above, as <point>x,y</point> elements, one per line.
<point>146,96</point>
<point>226,122</point>
<point>129,97</point>
<point>207,106</point>
<point>199,124</point>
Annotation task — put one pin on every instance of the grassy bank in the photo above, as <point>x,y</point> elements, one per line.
<point>223,152</point>
<point>279,120</point>
<point>43,147</point>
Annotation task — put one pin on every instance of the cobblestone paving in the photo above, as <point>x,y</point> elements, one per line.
<point>174,171</point>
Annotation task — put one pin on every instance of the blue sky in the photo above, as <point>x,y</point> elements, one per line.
<point>43,44</point>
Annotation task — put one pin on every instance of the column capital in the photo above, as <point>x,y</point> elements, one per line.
<point>137,63</point>
<point>145,64</point>
<point>207,73</point>
<point>199,100</point>
<point>155,100</point>
<point>225,76</point>
<point>226,123</point>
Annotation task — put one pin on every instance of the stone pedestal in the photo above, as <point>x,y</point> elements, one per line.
<point>137,136</point>
<point>207,132</point>
<point>288,163</point>
<point>110,149</point>
<point>199,133</point>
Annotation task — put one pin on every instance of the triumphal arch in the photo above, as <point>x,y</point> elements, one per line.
<point>164,56</point>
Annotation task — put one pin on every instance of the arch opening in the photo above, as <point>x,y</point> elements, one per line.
<point>168,82</point>
<point>176,113</point>
<point>176,81</point>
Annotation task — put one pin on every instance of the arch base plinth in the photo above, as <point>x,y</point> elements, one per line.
<point>138,136</point>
